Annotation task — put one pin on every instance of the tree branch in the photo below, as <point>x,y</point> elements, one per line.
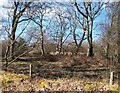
<point>79,10</point>
<point>24,20</point>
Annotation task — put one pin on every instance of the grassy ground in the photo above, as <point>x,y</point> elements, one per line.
<point>64,75</point>
<point>20,82</point>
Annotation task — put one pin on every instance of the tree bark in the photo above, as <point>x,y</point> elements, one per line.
<point>111,77</point>
<point>12,45</point>
<point>15,21</point>
<point>89,14</point>
<point>6,58</point>
<point>118,29</point>
<point>90,50</point>
<point>107,51</point>
<point>118,42</point>
<point>30,70</point>
<point>42,37</point>
<point>42,44</point>
<point>61,45</point>
<point>80,43</point>
<point>14,27</point>
<point>90,39</point>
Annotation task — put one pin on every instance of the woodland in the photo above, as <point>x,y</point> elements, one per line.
<point>66,46</point>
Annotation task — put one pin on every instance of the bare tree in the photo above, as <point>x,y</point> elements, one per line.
<point>60,28</point>
<point>16,14</point>
<point>39,11</point>
<point>111,37</point>
<point>18,9</point>
<point>118,25</point>
<point>77,23</point>
<point>89,10</point>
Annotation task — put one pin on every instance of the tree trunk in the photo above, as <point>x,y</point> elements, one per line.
<point>107,51</point>
<point>42,37</point>
<point>60,45</point>
<point>6,58</point>
<point>90,51</point>
<point>12,45</point>
<point>42,45</point>
<point>90,40</point>
<point>30,70</point>
<point>77,50</point>
<point>118,42</point>
<point>15,21</point>
<point>80,43</point>
<point>60,49</point>
<point>118,39</point>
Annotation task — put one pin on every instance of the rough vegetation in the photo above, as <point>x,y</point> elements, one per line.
<point>60,46</point>
<point>70,74</point>
<point>20,82</point>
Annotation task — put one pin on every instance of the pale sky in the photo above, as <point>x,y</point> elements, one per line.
<point>3,2</point>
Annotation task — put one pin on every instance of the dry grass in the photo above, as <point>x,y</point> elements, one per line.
<point>19,82</point>
<point>77,73</point>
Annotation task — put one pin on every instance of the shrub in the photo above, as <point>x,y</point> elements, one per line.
<point>51,58</point>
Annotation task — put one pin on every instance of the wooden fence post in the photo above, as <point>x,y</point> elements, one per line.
<point>30,70</point>
<point>111,77</point>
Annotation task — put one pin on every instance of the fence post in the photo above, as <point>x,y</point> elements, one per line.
<point>111,77</point>
<point>30,70</point>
